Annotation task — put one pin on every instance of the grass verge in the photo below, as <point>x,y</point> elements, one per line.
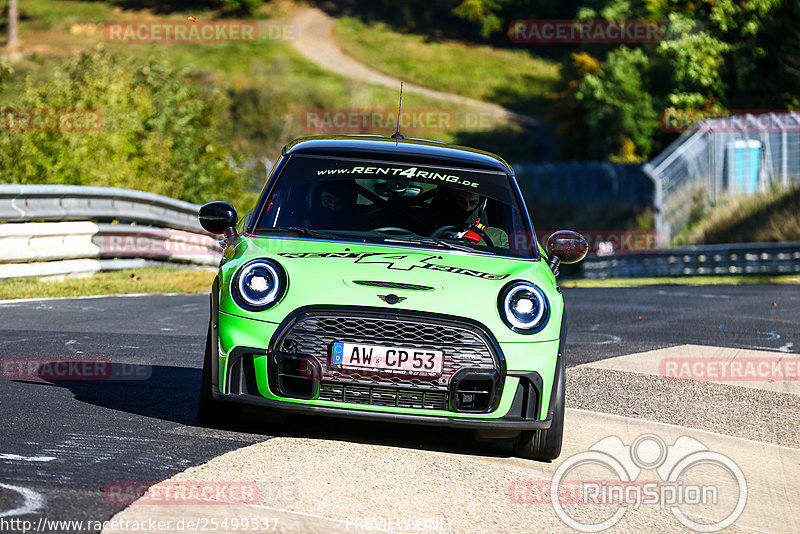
<point>511,78</point>
<point>145,280</point>
<point>744,279</point>
<point>764,217</point>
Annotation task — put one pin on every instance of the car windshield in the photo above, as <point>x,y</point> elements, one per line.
<point>397,203</point>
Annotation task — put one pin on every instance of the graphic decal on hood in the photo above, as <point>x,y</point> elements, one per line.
<point>401,262</point>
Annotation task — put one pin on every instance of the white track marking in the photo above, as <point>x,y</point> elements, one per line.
<point>17,457</point>
<point>33,501</point>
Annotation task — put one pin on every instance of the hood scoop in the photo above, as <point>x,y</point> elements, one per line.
<point>393,285</point>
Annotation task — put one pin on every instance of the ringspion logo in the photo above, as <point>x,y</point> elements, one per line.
<point>706,491</point>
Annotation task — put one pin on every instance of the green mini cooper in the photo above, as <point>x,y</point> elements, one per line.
<point>391,279</point>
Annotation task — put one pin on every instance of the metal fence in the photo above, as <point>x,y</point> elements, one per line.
<point>737,155</point>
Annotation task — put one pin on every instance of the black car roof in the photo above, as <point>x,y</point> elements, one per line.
<point>402,150</point>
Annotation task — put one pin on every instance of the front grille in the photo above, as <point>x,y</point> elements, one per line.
<point>383,396</point>
<point>393,285</point>
<point>464,347</point>
<point>389,330</point>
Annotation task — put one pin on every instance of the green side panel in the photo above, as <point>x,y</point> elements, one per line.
<point>240,332</point>
<point>539,357</point>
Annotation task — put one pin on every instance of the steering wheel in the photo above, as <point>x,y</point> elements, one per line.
<point>392,230</point>
<point>439,232</point>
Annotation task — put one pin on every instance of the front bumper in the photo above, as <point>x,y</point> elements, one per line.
<point>525,375</point>
<point>511,421</point>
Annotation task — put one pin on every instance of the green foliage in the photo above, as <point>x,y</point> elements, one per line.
<point>482,12</point>
<point>715,55</point>
<point>695,56</point>
<point>619,111</point>
<point>159,132</point>
<point>613,10</point>
<point>6,70</point>
<point>239,8</point>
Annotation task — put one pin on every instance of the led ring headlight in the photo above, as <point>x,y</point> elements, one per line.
<point>523,307</point>
<point>259,284</point>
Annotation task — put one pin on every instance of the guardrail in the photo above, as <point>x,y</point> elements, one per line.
<point>150,229</point>
<point>735,258</point>
<point>25,203</point>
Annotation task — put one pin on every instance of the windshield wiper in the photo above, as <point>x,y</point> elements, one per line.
<point>435,243</point>
<point>305,232</point>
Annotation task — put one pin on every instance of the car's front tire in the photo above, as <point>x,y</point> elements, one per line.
<point>545,444</point>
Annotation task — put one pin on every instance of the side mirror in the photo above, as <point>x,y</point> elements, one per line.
<point>216,217</point>
<point>565,247</point>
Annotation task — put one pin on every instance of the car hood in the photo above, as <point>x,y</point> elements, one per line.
<point>398,278</point>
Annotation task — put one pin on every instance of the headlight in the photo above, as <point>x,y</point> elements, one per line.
<point>523,307</point>
<point>259,284</point>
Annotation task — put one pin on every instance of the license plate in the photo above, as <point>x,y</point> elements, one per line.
<point>394,359</point>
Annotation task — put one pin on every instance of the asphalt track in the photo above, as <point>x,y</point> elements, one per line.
<point>63,443</point>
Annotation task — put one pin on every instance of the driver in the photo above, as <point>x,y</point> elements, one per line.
<point>333,205</point>
<point>462,209</point>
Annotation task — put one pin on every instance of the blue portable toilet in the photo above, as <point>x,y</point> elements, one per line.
<point>743,166</point>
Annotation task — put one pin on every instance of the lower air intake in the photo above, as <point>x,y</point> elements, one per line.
<point>383,396</point>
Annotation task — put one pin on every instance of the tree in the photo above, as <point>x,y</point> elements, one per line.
<point>157,131</point>
<point>13,21</point>
<point>620,115</point>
